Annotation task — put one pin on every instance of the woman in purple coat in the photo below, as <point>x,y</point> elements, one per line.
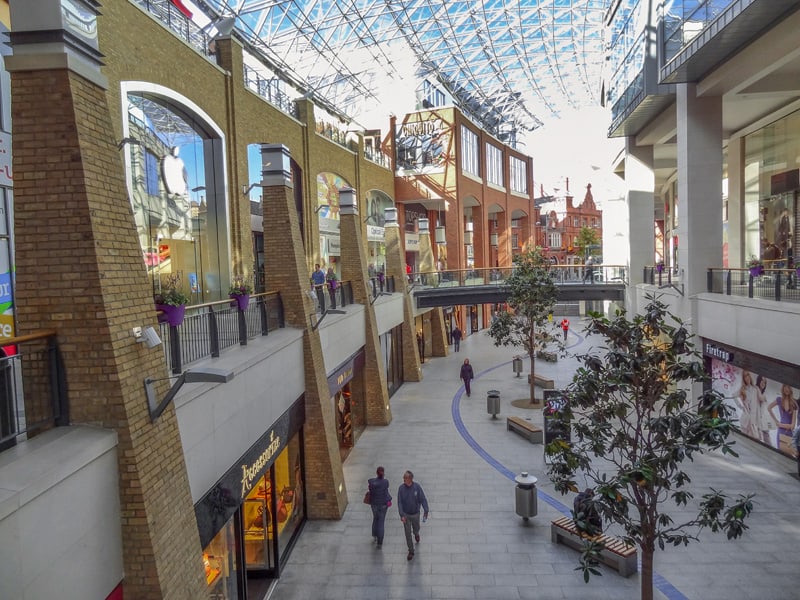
<point>467,375</point>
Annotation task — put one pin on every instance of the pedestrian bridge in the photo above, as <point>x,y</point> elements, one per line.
<point>488,286</point>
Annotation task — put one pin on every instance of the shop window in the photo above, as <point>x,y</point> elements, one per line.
<point>221,568</point>
<point>174,161</point>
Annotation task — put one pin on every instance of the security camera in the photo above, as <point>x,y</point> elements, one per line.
<point>151,338</point>
<point>147,335</point>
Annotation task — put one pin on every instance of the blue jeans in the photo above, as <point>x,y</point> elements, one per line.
<point>378,517</point>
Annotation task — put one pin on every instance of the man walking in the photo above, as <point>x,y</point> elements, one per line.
<point>456,335</point>
<point>410,497</point>
<point>588,272</point>
<point>565,327</point>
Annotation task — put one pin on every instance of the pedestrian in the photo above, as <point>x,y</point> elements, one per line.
<point>565,327</point>
<point>380,500</point>
<point>589,271</point>
<point>796,444</point>
<point>410,496</point>
<point>456,335</point>
<point>585,515</point>
<point>333,283</point>
<point>467,375</point>
<point>318,285</point>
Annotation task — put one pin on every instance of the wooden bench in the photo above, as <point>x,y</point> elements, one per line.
<point>542,382</point>
<point>615,553</point>
<point>526,429</point>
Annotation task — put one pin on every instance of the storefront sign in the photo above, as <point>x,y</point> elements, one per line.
<point>251,472</point>
<point>6,178</point>
<point>716,352</point>
<point>375,233</point>
<point>345,372</point>
<point>412,242</point>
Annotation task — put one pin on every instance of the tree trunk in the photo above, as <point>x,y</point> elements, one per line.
<point>647,573</point>
<point>533,379</point>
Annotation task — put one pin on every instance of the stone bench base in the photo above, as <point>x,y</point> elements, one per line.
<point>533,433</point>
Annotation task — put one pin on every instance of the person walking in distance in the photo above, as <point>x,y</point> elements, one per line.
<point>467,375</point>
<point>380,500</point>
<point>589,270</point>
<point>456,335</point>
<point>565,327</point>
<point>410,497</point>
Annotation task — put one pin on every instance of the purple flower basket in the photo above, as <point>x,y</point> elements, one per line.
<point>171,314</point>
<point>242,301</point>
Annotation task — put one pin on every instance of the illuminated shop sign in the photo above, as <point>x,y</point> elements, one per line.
<point>251,472</point>
<point>345,373</point>
<point>710,349</point>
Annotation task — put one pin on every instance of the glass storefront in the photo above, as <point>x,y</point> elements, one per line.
<point>251,518</point>
<point>771,182</point>
<point>174,163</point>
<point>392,356</point>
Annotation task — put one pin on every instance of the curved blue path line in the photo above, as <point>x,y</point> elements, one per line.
<point>661,584</point>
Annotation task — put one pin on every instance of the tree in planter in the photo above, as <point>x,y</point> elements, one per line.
<point>532,297</point>
<point>633,424</point>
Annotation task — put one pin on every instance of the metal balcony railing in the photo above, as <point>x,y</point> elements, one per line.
<point>183,27</point>
<point>209,328</point>
<point>269,89</point>
<point>778,284</point>
<point>38,401</point>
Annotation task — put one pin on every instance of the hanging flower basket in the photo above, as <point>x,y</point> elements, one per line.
<point>242,301</point>
<point>756,271</point>
<point>171,314</point>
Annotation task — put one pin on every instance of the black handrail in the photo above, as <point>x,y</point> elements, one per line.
<point>39,404</point>
<point>778,284</point>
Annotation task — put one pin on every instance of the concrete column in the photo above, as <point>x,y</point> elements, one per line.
<point>286,273</point>
<point>640,229</point>
<point>699,186</point>
<point>80,273</point>
<point>354,269</point>
<point>735,233</point>
<point>396,267</point>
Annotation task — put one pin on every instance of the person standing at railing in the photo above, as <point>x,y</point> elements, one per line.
<point>588,272</point>
<point>317,283</point>
<point>333,283</point>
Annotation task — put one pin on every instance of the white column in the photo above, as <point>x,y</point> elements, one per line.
<point>699,186</point>
<point>639,197</point>
<point>736,202</point>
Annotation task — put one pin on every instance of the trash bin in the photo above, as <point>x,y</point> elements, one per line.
<point>493,403</point>
<point>516,365</point>
<point>526,495</point>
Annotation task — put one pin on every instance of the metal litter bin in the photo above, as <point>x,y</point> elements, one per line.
<point>526,495</point>
<point>516,365</point>
<point>493,403</point>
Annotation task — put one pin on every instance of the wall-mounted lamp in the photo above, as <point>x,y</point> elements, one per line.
<point>424,225</point>
<point>320,207</point>
<point>246,188</point>
<point>128,140</point>
<point>493,240</point>
<point>195,376</point>
<point>468,234</point>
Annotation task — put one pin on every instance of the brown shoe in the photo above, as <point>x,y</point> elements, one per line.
<point>410,556</point>
<point>416,537</point>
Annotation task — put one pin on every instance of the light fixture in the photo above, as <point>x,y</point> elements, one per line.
<point>468,234</point>
<point>390,216</point>
<point>347,202</point>
<point>320,207</point>
<point>146,336</point>
<point>424,226</point>
<point>246,188</point>
<point>440,235</point>
<point>493,240</point>
<point>128,140</point>
<point>276,165</point>
<point>194,376</point>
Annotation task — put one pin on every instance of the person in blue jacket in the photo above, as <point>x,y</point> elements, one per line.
<point>410,497</point>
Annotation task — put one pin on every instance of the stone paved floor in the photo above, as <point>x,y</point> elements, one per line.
<point>475,546</point>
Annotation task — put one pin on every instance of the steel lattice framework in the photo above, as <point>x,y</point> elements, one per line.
<point>509,63</point>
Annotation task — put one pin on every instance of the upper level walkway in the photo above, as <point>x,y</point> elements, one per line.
<point>488,286</point>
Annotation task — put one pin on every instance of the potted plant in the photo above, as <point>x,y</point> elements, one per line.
<point>756,266</point>
<point>240,291</point>
<point>171,301</point>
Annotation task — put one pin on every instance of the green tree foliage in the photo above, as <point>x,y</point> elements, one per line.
<point>586,237</point>
<point>532,296</point>
<point>633,425</point>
